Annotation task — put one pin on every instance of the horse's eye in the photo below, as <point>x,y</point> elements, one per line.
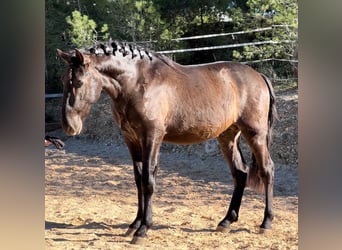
<point>76,83</point>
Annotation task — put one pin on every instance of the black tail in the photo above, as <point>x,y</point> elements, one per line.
<point>272,112</point>
<point>254,181</point>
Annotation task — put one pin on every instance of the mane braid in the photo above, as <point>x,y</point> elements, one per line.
<point>132,51</point>
<point>105,49</point>
<point>115,47</point>
<point>141,55</point>
<point>123,50</point>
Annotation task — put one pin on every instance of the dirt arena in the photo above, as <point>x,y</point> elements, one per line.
<point>91,199</point>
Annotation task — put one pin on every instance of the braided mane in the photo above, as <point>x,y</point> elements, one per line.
<point>129,49</point>
<point>124,48</point>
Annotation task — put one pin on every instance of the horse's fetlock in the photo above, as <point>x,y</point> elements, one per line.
<point>233,217</point>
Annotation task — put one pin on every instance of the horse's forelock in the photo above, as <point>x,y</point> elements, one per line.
<point>75,61</point>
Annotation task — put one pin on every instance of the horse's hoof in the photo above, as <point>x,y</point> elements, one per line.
<point>138,240</point>
<point>129,232</point>
<point>222,229</point>
<point>265,231</point>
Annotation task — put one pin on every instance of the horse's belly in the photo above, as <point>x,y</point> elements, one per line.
<point>192,137</point>
<point>196,127</point>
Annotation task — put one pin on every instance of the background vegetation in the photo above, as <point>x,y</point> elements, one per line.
<point>157,23</point>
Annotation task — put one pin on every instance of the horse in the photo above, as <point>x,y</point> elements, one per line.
<point>155,100</point>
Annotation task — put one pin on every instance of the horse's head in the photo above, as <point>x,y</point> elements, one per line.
<point>81,88</point>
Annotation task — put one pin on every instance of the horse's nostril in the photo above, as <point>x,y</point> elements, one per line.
<point>69,131</point>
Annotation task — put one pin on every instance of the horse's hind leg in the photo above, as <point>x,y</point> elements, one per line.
<point>262,170</point>
<point>228,141</point>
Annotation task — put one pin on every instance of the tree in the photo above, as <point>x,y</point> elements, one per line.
<point>143,20</point>
<point>193,11</point>
<point>55,25</point>
<point>281,14</point>
<point>82,31</point>
<point>187,18</point>
<point>56,35</point>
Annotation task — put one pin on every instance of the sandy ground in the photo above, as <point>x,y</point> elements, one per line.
<point>90,199</point>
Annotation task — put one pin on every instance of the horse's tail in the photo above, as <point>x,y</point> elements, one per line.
<point>254,180</point>
<point>272,111</point>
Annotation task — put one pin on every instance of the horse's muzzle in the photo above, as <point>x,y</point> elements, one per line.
<point>72,131</point>
<point>72,126</point>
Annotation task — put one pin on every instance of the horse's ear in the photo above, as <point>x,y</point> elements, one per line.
<point>64,56</point>
<point>79,58</point>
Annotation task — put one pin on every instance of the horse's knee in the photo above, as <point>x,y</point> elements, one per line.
<point>148,184</point>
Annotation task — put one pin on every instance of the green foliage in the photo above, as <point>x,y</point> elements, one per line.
<point>282,14</point>
<point>186,18</point>
<point>56,35</point>
<point>145,22</point>
<point>55,25</point>
<point>82,31</point>
<point>194,11</point>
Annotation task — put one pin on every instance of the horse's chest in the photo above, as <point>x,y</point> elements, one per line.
<point>128,121</point>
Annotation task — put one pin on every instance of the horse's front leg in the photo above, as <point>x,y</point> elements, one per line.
<point>137,176</point>
<point>149,168</point>
<point>136,154</point>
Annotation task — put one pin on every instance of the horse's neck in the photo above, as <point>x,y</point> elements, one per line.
<point>111,66</point>
<point>111,87</point>
<point>125,73</point>
<point>117,78</point>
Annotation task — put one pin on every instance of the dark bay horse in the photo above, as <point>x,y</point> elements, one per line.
<point>154,99</point>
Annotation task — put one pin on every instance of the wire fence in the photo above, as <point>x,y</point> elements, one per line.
<point>260,63</point>
<point>227,46</point>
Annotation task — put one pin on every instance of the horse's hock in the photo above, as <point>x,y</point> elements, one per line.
<point>100,126</point>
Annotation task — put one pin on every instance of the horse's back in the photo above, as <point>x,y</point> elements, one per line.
<point>231,85</point>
